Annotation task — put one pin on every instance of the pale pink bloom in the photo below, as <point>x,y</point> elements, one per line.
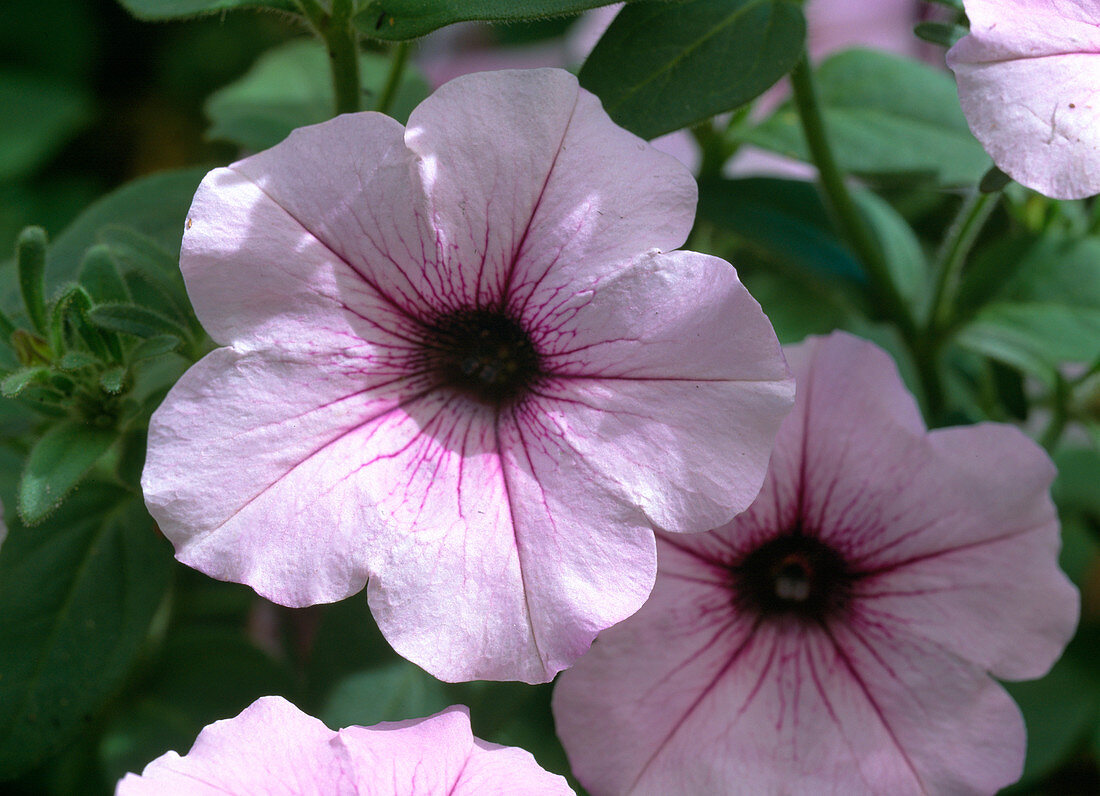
<point>461,360</point>
<point>839,636</point>
<point>273,748</point>
<point>1029,83</point>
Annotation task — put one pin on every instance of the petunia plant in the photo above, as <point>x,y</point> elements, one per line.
<point>734,364</point>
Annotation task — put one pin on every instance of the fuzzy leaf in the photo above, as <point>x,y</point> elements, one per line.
<point>57,463</point>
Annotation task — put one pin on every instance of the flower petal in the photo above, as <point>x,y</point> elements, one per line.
<point>532,177</point>
<point>440,755</point>
<point>242,451</point>
<point>1028,75</point>
<point>281,288</point>
<point>994,594</point>
<point>350,182</point>
<point>771,709</point>
<point>271,748</point>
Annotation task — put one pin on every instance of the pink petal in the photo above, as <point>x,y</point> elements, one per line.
<point>550,196</point>
<point>687,697</point>
<point>440,755</point>
<point>272,433</point>
<point>1028,75</point>
<point>349,183</point>
<point>282,288</point>
<point>869,475</point>
<point>659,398</point>
<point>995,595</point>
<point>270,748</point>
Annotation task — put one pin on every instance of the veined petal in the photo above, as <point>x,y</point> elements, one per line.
<point>440,755</point>
<point>528,186</point>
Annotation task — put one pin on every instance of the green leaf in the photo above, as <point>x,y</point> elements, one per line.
<point>942,33</point>
<point>151,273</point>
<point>1042,311</point>
<point>100,276</point>
<point>662,66</point>
<point>38,116</point>
<point>174,9</point>
<point>77,595</point>
<point>15,383</point>
<point>30,261</point>
<point>784,219</point>
<point>291,86</point>
<point>900,248</point>
<point>786,253</point>
<point>886,116</point>
<point>135,320</point>
<point>155,206</point>
<point>155,346</point>
<point>57,463</point>
<point>397,20</point>
<point>393,692</point>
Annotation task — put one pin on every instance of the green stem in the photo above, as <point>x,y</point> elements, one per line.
<point>972,216</point>
<point>393,80</point>
<point>1059,415</point>
<point>338,33</point>
<point>853,228</point>
<point>839,199</point>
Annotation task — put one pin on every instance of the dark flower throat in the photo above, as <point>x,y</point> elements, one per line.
<point>485,354</point>
<point>793,575</point>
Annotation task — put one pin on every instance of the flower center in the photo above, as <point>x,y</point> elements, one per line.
<point>792,575</point>
<point>486,354</point>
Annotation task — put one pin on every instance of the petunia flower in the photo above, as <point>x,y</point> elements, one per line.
<point>1029,79</point>
<point>839,636</point>
<point>460,360</point>
<point>273,748</point>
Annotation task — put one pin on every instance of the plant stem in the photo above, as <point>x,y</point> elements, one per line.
<point>853,228</point>
<point>338,33</point>
<point>839,199</point>
<point>973,214</point>
<point>1059,415</point>
<point>393,80</point>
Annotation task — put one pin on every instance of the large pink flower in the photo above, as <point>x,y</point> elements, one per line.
<point>461,361</point>
<point>838,636</point>
<point>1029,82</point>
<point>273,748</point>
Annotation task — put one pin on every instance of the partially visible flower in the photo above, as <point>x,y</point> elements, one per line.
<point>460,360</point>
<point>839,636</point>
<point>273,748</point>
<point>1029,83</point>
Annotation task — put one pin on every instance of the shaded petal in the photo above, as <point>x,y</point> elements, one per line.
<point>271,748</point>
<point>983,579</point>
<point>254,273</point>
<point>688,454</point>
<point>532,186</point>
<point>247,464</point>
<point>687,697</point>
<point>1028,75</point>
<point>439,755</point>
<point>589,559</point>
<point>351,183</point>
<point>511,574</point>
<point>938,521</point>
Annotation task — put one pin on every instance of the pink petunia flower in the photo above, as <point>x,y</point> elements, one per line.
<point>1029,83</point>
<point>838,636</point>
<point>274,748</point>
<point>460,360</point>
